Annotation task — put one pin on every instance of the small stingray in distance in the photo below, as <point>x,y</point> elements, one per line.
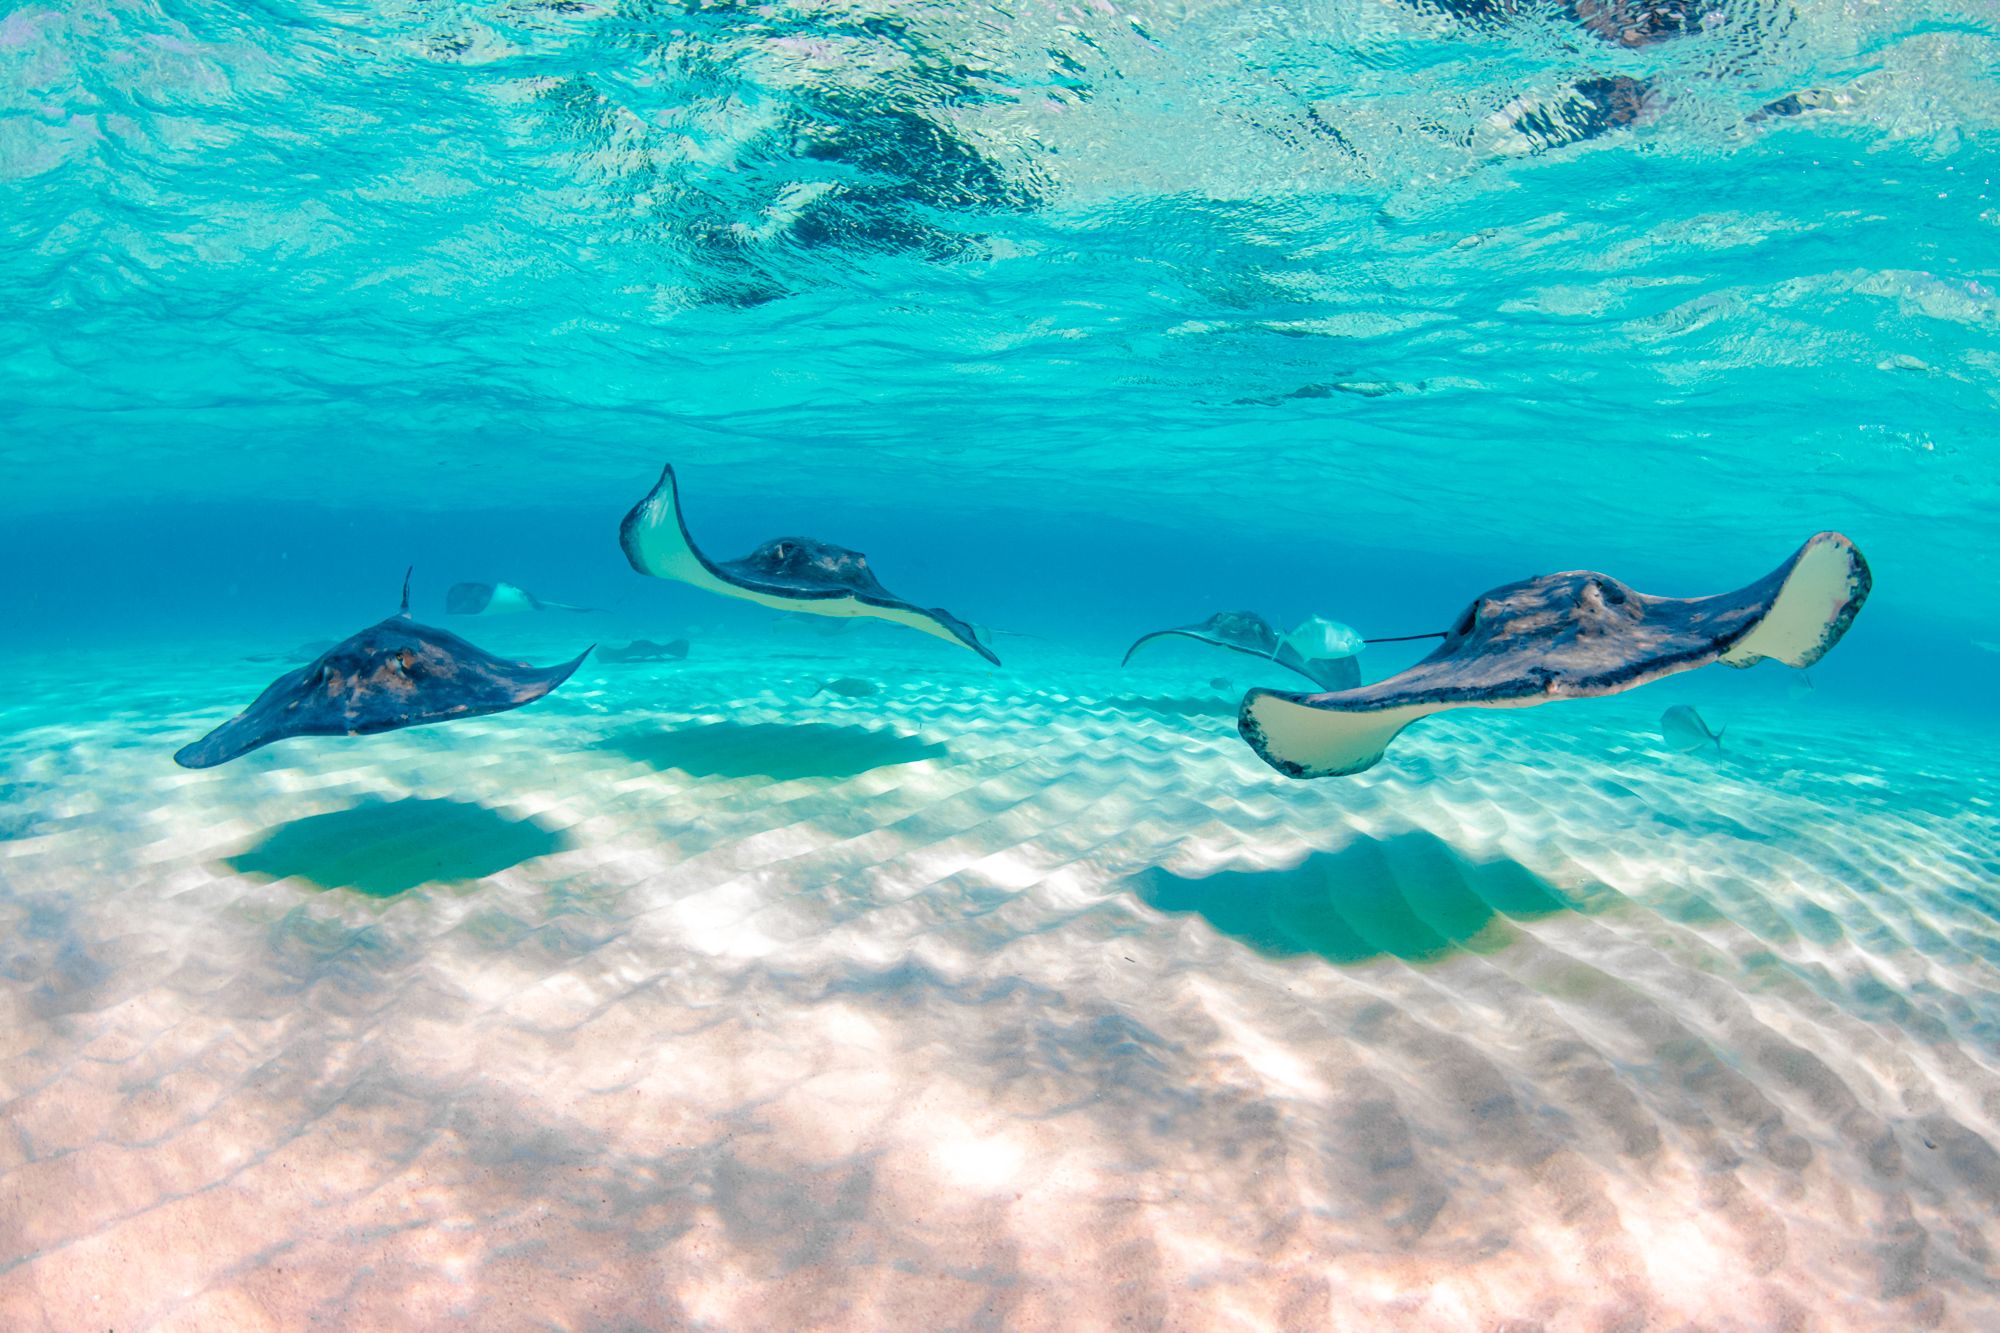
<point>1572,635</point>
<point>850,687</point>
<point>644,650</point>
<point>498,599</point>
<point>789,574</point>
<point>393,674</point>
<point>1248,632</point>
<point>1683,729</point>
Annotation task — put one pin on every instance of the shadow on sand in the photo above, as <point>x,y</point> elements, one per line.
<point>1411,897</point>
<point>774,750</point>
<point>383,848</point>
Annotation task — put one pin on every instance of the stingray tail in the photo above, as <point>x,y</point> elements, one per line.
<point>1717,738</point>
<point>404,609</point>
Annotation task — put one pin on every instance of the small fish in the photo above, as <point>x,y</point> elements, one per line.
<point>1323,640</point>
<point>851,686</point>
<point>1682,729</point>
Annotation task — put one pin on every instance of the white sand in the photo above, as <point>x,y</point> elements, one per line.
<point>897,1041</point>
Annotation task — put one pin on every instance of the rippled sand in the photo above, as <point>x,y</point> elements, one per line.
<point>1024,1000</point>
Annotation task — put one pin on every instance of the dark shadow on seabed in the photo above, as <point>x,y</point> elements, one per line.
<point>774,750</point>
<point>383,848</point>
<point>1411,897</point>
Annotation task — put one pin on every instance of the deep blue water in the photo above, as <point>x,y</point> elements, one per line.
<point>1080,305</point>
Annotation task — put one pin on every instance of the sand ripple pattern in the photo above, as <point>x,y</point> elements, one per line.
<point>686,1000</point>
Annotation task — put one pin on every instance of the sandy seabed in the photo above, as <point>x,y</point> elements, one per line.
<point>1024,999</point>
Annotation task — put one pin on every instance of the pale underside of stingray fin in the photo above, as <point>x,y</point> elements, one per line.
<point>1566,636</point>
<point>1818,600</point>
<point>1302,741</point>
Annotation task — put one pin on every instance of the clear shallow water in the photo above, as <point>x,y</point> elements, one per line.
<point>1022,996</point>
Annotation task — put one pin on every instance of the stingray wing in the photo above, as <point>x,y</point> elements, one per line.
<point>1566,636</point>
<point>1242,631</point>
<point>392,675</point>
<point>1247,632</point>
<point>467,599</point>
<point>792,574</point>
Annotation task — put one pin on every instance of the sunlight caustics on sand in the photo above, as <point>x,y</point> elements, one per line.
<point>1029,1000</point>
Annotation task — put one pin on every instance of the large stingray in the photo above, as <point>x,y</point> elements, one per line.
<point>498,599</point>
<point>1248,632</point>
<point>1566,636</point>
<point>790,573</point>
<point>393,674</point>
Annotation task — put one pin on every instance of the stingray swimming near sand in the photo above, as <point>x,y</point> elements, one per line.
<point>499,599</point>
<point>789,574</point>
<point>1248,632</point>
<point>1572,635</point>
<point>394,674</point>
<point>644,650</point>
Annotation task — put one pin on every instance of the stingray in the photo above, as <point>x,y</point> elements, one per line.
<point>498,599</point>
<point>1573,635</point>
<point>789,574</point>
<point>1248,632</point>
<point>391,675</point>
<point>644,650</point>
<point>1683,729</point>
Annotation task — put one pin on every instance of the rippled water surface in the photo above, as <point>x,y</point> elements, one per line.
<point>696,995</point>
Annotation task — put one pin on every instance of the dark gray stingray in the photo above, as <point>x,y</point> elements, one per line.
<point>644,650</point>
<point>789,574</point>
<point>391,675</point>
<point>1248,632</point>
<point>1566,636</point>
<point>498,599</point>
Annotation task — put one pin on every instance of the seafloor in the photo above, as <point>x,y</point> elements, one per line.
<point>1026,998</point>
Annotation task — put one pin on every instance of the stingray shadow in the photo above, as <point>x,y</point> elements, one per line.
<point>774,750</point>
<point>1411,897</point>
<point>384,848</point>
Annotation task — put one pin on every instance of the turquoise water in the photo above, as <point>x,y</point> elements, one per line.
<point>1019,996</point>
